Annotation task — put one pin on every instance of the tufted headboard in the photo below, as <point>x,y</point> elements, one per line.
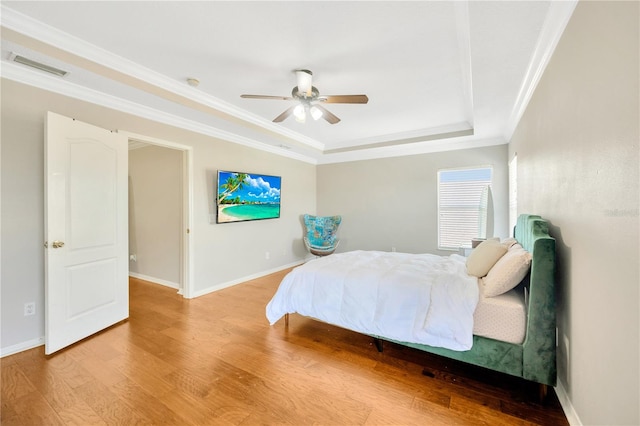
<point>535,358</point>
<point>539,355</point>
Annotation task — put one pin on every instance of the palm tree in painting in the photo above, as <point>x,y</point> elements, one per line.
<point>232,184</point>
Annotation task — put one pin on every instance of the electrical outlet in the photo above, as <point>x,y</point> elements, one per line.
<point>393,249</point>
<point>29,309</point>
<point>133,258</point>
<point>267,255</point>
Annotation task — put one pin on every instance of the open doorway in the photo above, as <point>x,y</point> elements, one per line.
<point>159,212</point>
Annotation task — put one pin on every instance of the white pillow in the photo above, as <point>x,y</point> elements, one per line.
<point>483,257</point>
<point>509,242</point>
<point>507,272</point>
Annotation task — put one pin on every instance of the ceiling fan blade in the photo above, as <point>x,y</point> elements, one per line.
<point>344,99</point>
<point>280,98</point>
<point>327,115</point>
<point>284,115</point>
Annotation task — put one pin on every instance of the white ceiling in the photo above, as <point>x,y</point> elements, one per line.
<point>439,75</point>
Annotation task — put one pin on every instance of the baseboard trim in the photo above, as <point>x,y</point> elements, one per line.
<point>30,344</point>
<point>154,280</point>
<point>246,278</point>
<point>567,406</point>
<point>20,347</point>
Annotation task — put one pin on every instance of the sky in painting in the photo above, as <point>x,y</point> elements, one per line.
<point>256,188</point>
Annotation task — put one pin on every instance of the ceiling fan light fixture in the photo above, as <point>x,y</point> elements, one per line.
<point>315,112</point>
<point>309,101</point>
<point>299,113</point>
<point>304,81</point>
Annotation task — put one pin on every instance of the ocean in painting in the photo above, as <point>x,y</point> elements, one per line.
<point>253,211</point>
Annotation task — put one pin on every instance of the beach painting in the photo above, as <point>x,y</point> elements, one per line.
<point>247,196</point>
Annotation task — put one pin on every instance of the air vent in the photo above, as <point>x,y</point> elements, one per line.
<point>38,65</point>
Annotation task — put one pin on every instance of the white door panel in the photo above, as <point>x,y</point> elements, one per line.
<point>92,194</point>
<point>86,285</point>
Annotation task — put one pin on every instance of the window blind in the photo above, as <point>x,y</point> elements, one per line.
<point>462,206</point>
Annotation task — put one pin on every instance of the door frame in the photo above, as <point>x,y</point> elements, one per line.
<point>186,239</point>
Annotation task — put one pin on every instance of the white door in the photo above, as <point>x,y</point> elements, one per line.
<point>86,230</point>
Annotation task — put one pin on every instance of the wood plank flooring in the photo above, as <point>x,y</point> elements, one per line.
<point>215,360</point>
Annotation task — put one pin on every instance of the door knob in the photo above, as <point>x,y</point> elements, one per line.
<point>58,244</point>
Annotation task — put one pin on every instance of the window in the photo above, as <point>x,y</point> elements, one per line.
<point>463,196</point>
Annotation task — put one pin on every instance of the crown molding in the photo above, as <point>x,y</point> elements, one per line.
<point>53,84</point>
<point>418,135</point>
<point>427,147</point>
<point>406,141</point>
<point>20,74</point>
<point>556,21</point>
<point>48,35</point>
<point>463,26</point>
<point>107,63</point>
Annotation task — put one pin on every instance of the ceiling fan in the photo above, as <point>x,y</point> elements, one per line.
<point>309,100</point>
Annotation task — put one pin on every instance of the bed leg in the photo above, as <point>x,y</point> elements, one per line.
<point>378,343</point>
<point>286,320</point>
<point>542,392</point>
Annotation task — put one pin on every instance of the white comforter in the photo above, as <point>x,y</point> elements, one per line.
<point>417,298</point>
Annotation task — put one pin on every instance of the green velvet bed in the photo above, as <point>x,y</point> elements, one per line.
<point>535,358</point>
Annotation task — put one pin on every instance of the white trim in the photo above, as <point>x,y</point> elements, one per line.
<point>1,351</point>
<point>554,24</point>
<point>155,280</point>
<point>53,84</point>
<point>245,279</point>
<point>51,36</point>
<point>33,78</point>
<point>558,16</point>
<point>186,240</point>
<point>395,139</point>
<point>21,347</point>
<point>513,192</point>
<point>135,137</point>
<point>30,344</point>
<point>442,145</point>
<point>567,406</point>
<point>63,87</point>
<point>188,277</point>
<point>461,9</point>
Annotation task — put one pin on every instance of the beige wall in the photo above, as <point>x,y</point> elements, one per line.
<point>393,202</point>
<point>22,235</point>
<point>222,254</point>
<point>578,161</point>
<point>155,214</point>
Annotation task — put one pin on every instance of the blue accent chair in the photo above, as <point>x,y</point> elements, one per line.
<point>321,238</point>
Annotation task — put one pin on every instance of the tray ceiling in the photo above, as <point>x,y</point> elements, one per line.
<point>439,75</point>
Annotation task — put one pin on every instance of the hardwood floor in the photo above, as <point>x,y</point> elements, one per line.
<point>216,360</point>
